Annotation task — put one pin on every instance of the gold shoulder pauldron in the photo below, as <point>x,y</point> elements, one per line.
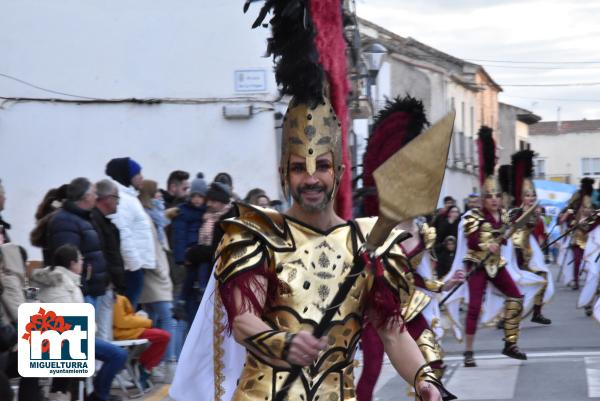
<point>249,240</point>
<point>472,220</point>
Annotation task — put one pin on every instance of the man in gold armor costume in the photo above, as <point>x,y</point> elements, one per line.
<point>533,230</point>
<point>278,273</point>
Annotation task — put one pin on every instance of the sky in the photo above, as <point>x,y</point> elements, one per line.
<point>518,42</point>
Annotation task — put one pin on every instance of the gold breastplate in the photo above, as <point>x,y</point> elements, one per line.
<point>313,272</point>
<point>579,238</point>
<point>474,221</point>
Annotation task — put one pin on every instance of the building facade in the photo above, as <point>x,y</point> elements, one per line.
<point>443,83</point>
<point>183,91</point>
<point>567,151</point>
<point>513,128</point>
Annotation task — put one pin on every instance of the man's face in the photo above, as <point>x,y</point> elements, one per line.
<point>312,192</point>
<point>214,206</point>
<point>448,203</point>
<point>89,199</point>
<point>197,200</point>
<point>110,202</point>
<point>136,181</point>
<point>491,202</point>
<point>179,189</point>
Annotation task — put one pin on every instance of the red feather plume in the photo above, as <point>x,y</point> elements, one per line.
<point>396,125</point>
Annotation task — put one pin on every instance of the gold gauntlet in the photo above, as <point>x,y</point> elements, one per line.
<point>272,343</point>
<point>513,308</point>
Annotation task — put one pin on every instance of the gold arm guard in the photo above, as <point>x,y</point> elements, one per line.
<point>272,343</point>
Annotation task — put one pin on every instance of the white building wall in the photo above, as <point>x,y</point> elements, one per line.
<point>563,154</point>
<point>126,49</point>
<point>522,133</point>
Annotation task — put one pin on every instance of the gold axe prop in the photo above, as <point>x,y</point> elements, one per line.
<point>520,222</point>
<point>408,185</point>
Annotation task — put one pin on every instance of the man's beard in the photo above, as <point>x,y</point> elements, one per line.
<point>297,195</point>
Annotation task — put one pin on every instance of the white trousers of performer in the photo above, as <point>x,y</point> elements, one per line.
<point>592,266</point>
<point>565,261</point>
<point>431,313</point>
<point>195,375</point>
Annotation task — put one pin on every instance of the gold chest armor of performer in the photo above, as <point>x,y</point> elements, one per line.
<point>314,267</point>
<point>475,221</point>
<point>579,237</point>
<point>520,239</point>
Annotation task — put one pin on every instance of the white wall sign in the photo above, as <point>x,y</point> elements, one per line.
<point>247,81</point>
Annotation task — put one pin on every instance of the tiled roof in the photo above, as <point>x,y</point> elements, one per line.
<point>566,127</point>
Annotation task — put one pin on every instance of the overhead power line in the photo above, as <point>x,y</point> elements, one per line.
<point>553,99</point>
<point>528,67</point>
<point>554,85</point>
<point>532,62</point>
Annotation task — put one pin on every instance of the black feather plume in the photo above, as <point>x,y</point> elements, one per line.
<point>587,186</point>
<point>487,152</point>
<point>522,162</point>
<point>505,178</point>
<point>297,69</point>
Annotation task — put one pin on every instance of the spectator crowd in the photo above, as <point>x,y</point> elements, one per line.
<point>142,256</point>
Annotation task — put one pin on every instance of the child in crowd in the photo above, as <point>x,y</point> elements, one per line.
<point>129,326</point>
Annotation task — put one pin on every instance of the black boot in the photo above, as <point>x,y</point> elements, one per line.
<point>512,350</point>
<point>541,319</point>
<point>589,310</point>
<point>469,360</point>
<point>538,317</point>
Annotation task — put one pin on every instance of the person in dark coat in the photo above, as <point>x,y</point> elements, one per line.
<point>445,257</point>
<point>106,204</point>
<point>186,224</point>
<point>72,224</point>
<point>447,226</point>
<point>200,257</point>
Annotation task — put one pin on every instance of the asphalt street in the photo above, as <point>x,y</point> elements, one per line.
<point>563,364</point>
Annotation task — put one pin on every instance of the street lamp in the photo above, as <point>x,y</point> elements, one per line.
<point>374,54</point>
